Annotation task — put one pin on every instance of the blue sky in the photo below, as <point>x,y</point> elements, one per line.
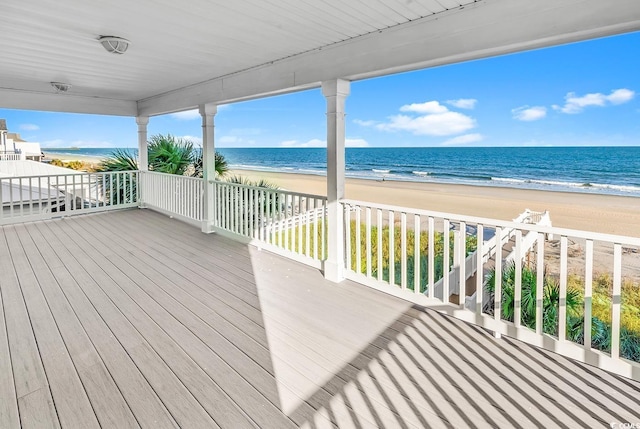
<point>581,94</point>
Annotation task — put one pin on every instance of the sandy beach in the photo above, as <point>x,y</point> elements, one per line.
<point>590,212</point>
<point>70,157</point>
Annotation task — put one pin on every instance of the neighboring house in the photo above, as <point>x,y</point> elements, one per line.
<point>12,143</point>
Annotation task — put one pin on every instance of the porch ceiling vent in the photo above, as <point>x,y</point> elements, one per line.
<point>61,87</point>
<point>114,45</point>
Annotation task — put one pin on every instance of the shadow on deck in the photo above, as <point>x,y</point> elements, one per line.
<point>133,319</point>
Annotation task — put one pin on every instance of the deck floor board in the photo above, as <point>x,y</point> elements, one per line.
<point>130,318</point>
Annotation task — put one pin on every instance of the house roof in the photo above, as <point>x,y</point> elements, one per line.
<point>216,51</point>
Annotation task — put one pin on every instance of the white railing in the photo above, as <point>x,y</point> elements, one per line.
<point>555,295</point>
<point>179,196</point>
<point>29,198</point>
<point>285,222</point>
<point>12,156</point>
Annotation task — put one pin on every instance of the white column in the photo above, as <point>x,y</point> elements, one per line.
<point>335,91</point>
<point>208,111</point>
<point>143,158</point>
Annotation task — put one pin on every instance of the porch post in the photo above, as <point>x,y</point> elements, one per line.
<point>335,91</point>
<point>208,111</point>
<point>143,156</point>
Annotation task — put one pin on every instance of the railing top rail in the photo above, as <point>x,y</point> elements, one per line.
<point>620,239</point>
<point>77,173</point>
<point>173,176</point>
<point>280,191</point>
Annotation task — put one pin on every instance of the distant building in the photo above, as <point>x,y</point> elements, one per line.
<point>13,144</point>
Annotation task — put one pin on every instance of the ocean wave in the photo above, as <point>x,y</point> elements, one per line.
<point>463,176</point>
<point>381,171</point>
<point>563,184</point>
<point>421,173</point>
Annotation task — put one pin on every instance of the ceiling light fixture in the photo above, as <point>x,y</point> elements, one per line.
<point>114,45</point>
<point>60,87</point>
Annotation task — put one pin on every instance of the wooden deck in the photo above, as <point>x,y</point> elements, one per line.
<point>132,319</point>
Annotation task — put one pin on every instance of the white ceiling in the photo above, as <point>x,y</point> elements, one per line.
<point>221,51</point>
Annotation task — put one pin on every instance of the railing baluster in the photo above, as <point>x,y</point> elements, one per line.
<point>497,300</point>
<point>588,291</point>
<point>347,234</point>
<point>517,290</point>
<point>392,258</point>
<point>367,219</point>
<point>479,268</point>
<point>403,250</point>
<point>462,258</point>
<point>540,284</point>
<point>562,305</point>
<point>10,180</point>
<point>39,194</point>
<point>431,269</point>
<point>308,228</point>
<point>616,301</point>
<point>323,232</point>
<point>316,239</point>
<point>379,226</point>
<point>358,241</point>
<point>21,191</point>
<point>30,196</point>
<point>417,283</point>
<point>446,260</point>
<point>301,218</point>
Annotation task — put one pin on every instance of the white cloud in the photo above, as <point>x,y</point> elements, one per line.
<point>229,139</point>
<point>429,107</point>
<point>235,141</point>
<point>356,143</point>
<point>323,143</point>
<point>464,139</point>
<point>53,143</point>
<point>440,124</point>
<point>463,103</point>
<point>29,127</point>
<point>426,119</point>
<point>187,115</point>
<point>620,96</point>
<point>576,104</point>
<point>194,139</point>
<point>526,113</point>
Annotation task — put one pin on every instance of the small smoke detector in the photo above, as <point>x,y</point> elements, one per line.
<point>61,87</point>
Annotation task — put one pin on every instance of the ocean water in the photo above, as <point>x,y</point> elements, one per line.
<point>602,170</point>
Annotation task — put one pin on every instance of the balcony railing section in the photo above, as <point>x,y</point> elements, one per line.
<point>286,222</point>
<point>174,195</point>
<point>29,198</point>
<point>574,292</point>
<point>12,156</point>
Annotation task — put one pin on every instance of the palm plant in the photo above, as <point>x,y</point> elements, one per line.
<point>550,302</point>
<point>169,154</point>
<point>221,165</point>
<point>121,188</point>
<point>119,160</point>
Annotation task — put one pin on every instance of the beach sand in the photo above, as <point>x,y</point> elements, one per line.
<point>589,212</point>
<point>72,157</point>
